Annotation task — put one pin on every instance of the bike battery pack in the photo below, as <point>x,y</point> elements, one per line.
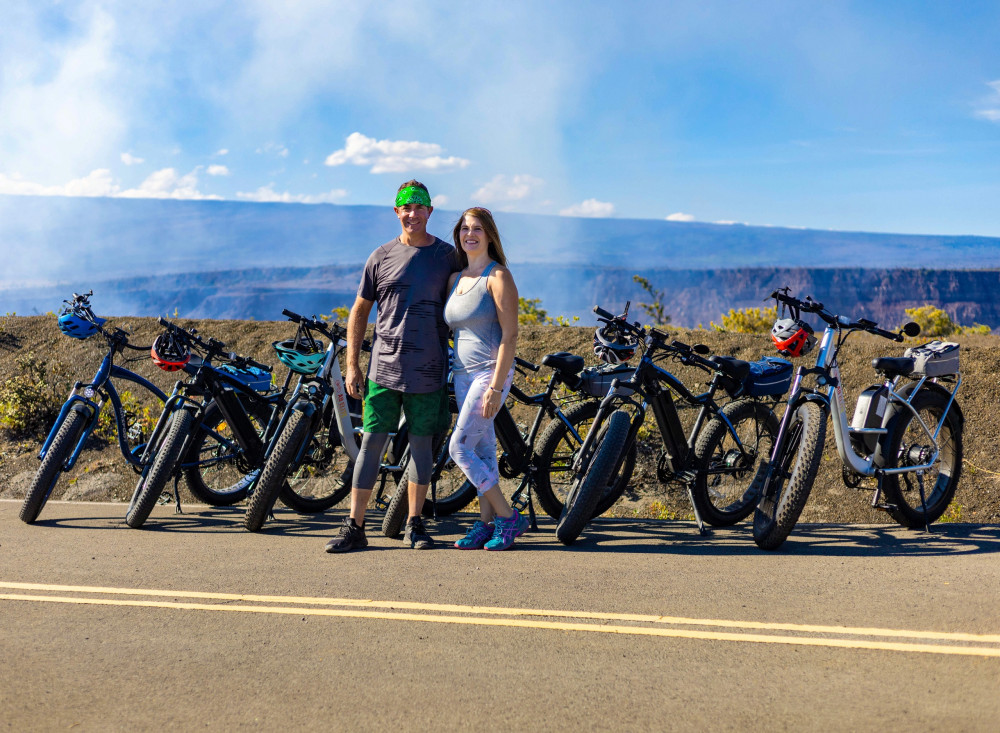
<point>869,413</point>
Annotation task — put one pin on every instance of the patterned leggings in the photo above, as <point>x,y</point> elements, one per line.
<point>473,444</point>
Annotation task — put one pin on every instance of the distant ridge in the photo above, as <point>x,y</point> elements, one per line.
<point>51,239</point>
<point>691,297</point>
<point>226,259</point>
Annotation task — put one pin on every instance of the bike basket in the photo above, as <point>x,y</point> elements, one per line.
<point>596,381</point>
<point>934,359</point>
<point>769,376</point>
<point>254,378</point>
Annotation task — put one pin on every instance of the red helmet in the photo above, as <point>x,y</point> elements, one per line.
<point>792,337</point>
<point>169,352</point>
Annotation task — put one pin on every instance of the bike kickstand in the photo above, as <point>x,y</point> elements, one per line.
<point>177,497</point>
<point>923,501</point>
<point>531,513</point>
<point>697,517</point>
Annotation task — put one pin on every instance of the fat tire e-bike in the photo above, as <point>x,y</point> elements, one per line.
<point>79,415</point>
<point>906,433</point>
<point>721,462</point>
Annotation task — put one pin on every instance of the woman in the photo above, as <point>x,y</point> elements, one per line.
<point>482,311</point>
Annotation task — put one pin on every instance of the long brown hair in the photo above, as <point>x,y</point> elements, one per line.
<point>494,249</point>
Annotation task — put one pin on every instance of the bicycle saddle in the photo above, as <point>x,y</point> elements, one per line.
<point>894,366</point>
<point>563,361</point>
<point>736,369</point>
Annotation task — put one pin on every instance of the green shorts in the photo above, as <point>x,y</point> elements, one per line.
<point>426,414</point>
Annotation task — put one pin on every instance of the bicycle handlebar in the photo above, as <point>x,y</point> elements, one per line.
<point>814,306</point>
<point>526,364</point>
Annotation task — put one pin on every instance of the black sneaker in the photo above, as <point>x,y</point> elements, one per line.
<point>416,535</point>
<point>351,537</point>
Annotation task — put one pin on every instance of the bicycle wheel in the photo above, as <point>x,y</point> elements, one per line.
<point>586,492</point>
<point>164,463</point>
<point>916,500</point>
<point>557,448</point>
<point>215,470</point>
<point>399,508</point>
<point>728,481</point>
<point>321,479</point>
<point>52,465</point>
<point>272,475</point>
<point>792,479</point>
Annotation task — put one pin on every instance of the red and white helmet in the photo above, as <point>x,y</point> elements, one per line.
<point>169,352</point>
<point>792,337</point>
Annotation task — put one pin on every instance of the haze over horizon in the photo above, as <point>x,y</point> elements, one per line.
<point>835,116</point>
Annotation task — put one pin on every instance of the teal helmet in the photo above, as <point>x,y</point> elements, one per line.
<point>302,358</point>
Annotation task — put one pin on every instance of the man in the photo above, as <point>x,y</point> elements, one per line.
<point>407,278</point>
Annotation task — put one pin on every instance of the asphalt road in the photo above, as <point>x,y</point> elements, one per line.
<point>194,623</point>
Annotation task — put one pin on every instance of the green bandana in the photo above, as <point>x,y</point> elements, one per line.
<point>413,195</point>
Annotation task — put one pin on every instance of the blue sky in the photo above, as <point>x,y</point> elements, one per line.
<point>870,116</point>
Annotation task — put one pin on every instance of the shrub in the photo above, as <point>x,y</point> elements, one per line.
<point>935,322</point>
<point>530,312</point>
<point>748,320</point>
<point>655,309</point>
<point>30,400</point>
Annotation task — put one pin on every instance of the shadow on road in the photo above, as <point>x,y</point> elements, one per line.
<point>623,536</point>
<point>831,540</point>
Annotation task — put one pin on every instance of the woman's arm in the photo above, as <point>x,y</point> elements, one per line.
<point>501,286</point>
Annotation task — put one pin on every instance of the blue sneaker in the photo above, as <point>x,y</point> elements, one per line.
<point>505,531</point>
<point>478,535</point>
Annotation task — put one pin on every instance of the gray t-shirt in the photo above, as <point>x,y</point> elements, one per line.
<point>409,286</point>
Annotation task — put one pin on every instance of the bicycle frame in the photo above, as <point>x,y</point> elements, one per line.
<point>82,394</point>
<point>833,403</point>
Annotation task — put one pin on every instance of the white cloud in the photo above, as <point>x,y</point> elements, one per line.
<point>393,156</point>
<point>441,200</point>
<point>590,208</point>
<point>217,170</point>
<point>273,149</point>
<point>129,159</point>
<point>167,184</point>
<point>222,151</point>
<point>98,183</point>
<point>991,111</point>
<point>508,188</point>
<point>267,194</point>
<point>679,216</point>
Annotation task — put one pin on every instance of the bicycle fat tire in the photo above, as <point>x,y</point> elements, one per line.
<point>272,475</point>
<point>556,450</point>
<point>399,507</point>
<point>164,464</point>
<point>581,503</point>
<point>905,442</point>
<point>792,480</point>
<point>311,489</point>
<point>220,483</point>
<point>723,499</point>
<point>52,465</point>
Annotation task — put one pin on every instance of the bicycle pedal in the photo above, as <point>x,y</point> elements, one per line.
<point>887,507</point>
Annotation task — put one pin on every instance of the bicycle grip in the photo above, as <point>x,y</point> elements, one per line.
<point>603,313</point>
<point>525,363</point>
<point>290,315</point>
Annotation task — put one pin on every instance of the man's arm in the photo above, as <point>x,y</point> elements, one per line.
<point>357,322</point>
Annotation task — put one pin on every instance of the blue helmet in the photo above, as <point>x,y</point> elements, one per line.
<point>79,324</point>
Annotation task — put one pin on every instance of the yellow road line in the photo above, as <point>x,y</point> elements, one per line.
<point>493,611</point>
<point>530,624</point>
